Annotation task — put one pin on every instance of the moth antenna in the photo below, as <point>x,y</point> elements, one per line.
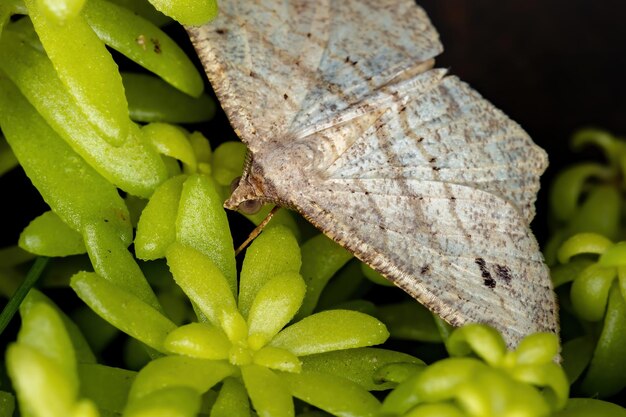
<point>257,230</point>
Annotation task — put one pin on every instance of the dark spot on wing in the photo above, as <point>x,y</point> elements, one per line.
<point>253,74</point>
<point>220,31</point>
<point>487,278</point>
<point>503,272</point>
<point>436,168</point>
<point>490,282</point>
<point>432,160</point>
<point>425,269</point>
<point>285,96</point>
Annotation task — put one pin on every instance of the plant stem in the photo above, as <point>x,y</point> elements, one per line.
<point>14,303</point>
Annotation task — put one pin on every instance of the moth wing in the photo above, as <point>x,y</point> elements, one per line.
<point>433,127</point>
<point>279,67</point>
<point>464,253</point>
<point>435,190</point>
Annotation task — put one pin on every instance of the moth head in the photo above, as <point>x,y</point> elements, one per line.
<point>247,190</point>
<point>251,206</point>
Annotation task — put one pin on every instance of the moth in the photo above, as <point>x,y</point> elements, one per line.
<point>348,123</point>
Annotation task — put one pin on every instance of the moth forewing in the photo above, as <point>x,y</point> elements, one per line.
<point>410,169</point>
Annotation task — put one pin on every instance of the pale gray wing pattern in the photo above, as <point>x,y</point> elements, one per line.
<point>278,67</point>
<point>439,129</point>
<point>463,252</point>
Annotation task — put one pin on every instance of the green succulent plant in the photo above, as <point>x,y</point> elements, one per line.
<point>136,220</point>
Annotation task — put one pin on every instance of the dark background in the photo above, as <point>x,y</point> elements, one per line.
<point>552,65</point>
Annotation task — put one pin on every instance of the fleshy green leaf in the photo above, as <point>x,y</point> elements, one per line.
<point>409,320</point>
<point>106,386</point>
<point>440,380</point>
<point>188,12</point>
<point>156,229</point>
<point>576,355</point>
<point>42,329</point>
<point>112,261</point>
<point>375,276</point>
<point>227,162</point>
<point>590,291</point>
<point>607,372</point>
<point>491,392</point>
<point>267,391</point>
<point>141,41</point>
<point>567,187</point>
<point>134,166</point>
<point>395,373</point>
<point>205,285</point>
<point>435,410</point>
<point>589,407</point>
<point>59,11</point>
<point>277,359</point>
<point>599,213</point>
<point>144,9</point>
<point>614,255</point>
<point>547,376</point>
<point>600,138</point>
<point>93,80</point>
<point>537,348</point>
<point>274,306</point>
<point>583,243</point>
<point>198,340</point>
<point>201,147</point>
<point>348,283</point>
<point>152,100</point>
<point>331,330</point>
<point>359,365</point>
<point>232,400</point>
<point>179,371</point>
<point>55,169</point>
<point>202,225</point>
<point>274,252</point>
<point>321,259</point>
<point>169,401</point>
<point>48,235</point>
<point>122,309</point>
<point>81,348</point>
<point>40,383</point>
<point>8,161</point>
<point>333,394</point>
<point>171,141</point>
<point>483,340</point>
<point>7,400</point>
<point>564,273</point>
<point>403,397</point>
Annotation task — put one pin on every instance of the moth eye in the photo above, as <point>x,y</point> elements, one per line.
<point>234,184</point>
<point>250,206</point>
